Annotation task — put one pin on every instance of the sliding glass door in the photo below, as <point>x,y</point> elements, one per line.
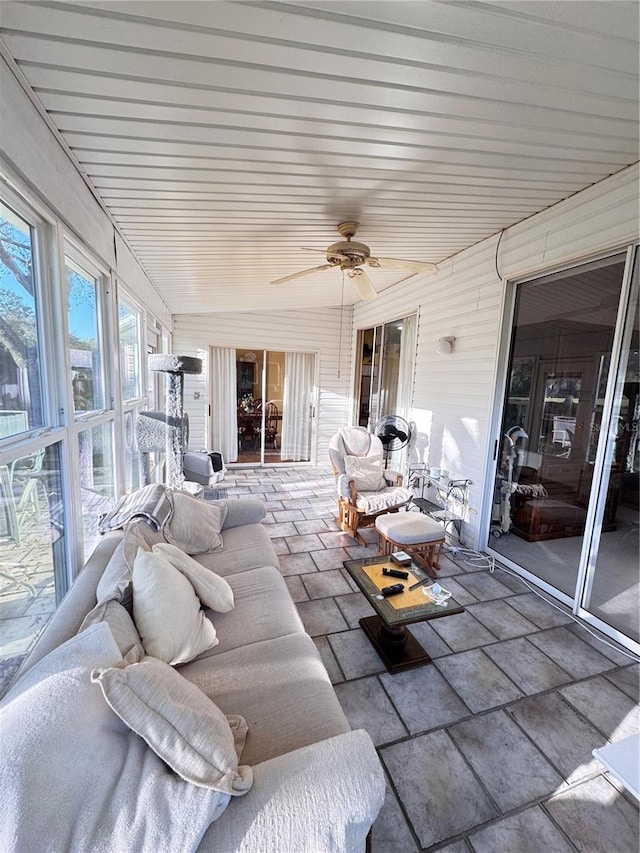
<point>263,409</point>
<point>565,498</point>
<point>385,371</point>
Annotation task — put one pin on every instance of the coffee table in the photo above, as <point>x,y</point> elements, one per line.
<point>386,630</point>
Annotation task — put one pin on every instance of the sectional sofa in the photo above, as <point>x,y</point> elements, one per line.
<point>242,747</point>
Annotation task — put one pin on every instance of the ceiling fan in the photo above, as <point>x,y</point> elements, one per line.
<point>351,256</point>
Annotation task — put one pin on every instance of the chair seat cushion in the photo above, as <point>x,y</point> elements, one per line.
<point>409,528</point>
<point>370,502</point>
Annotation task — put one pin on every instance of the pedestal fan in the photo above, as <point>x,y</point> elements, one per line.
<point>394,433</point>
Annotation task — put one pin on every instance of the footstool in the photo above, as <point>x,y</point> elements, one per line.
<point>417,534</point>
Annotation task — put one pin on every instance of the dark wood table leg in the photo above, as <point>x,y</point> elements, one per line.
<point>397,647</point>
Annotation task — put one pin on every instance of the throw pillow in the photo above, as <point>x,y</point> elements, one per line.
<point>182,725</point>
<point>167,611</point>
<point>212,590</point>
<point>115,582</point>
<point>119,620</point>
<point>74,777</point>
<point>195,525</point>
<point>366,471</point>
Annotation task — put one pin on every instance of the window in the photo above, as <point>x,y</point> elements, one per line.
<point>84,339</point>
<point>21,399</point>
<point>129,329</point>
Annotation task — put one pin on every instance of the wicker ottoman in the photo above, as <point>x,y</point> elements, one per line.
<point>415,533</point>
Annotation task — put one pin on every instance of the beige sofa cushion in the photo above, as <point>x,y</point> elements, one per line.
<point>180,724</point>
<point>119,620</point>
<point>247,547</point>
<point>167,611</point>
<point>212,590</point>
<point>194,525</point>
<point>280,687</point>
<point>263,610</point>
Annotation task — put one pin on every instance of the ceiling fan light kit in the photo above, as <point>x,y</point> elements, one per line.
<point>350,256</point>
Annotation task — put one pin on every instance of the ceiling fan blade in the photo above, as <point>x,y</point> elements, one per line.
<point>309,249</point>
<point>363,283</point>
<point>402,264</point>
<point>287,278</point>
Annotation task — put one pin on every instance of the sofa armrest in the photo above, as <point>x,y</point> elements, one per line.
<point>321,798</point>
<point>243,511</point>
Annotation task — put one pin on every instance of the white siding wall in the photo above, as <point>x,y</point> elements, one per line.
<point>35,155</point>
<point>315,330</point>
<point>453,395</point>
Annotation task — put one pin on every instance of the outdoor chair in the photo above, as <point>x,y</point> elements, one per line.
<point>365,489</point>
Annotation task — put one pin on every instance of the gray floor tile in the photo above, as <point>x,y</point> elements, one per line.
<point>325,584</point>
<point>515,583</point>
<point>602,646</point>
<point>367,706</point>
<point>390,833</point>
<point>329,659</point>
<point>280,545</point>
<point>614,713</point>
<point>461,631</point>
<point>539,611</point>
<point>285,528</point>
<point>484,586</point>
<point>288,515</point>
<point>596,817</point>
<point>575,657</point>
<point>430,641</point>
<point>296,588</point>
<point>315,525</point>
<point>477,680</point>
<point>361,552</point>
<point>335,540</point>
<point>525,665</point>
<point>321,617</point>
<point>456,847</point>
<point>508,764</point>
<point>355,654</point>
<point>329,558</point>
<point>628,680</point>
<point>449,568</point>
<point>560,733</point>
<point>354,607</point>
<point>423,698</point>
<point>501,619</point>
<point>296,564</point>
<point>298,544</point>
<point>459,592</point>
<point>439,792</point>
<point>528,832</point>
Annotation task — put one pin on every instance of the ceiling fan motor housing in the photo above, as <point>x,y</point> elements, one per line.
<point>348,254</point>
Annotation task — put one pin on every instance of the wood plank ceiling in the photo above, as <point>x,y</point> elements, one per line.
<point>223,137</point>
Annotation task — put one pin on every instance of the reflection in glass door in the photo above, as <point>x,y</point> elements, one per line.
<point>549,458</point>
<point>612,587</point>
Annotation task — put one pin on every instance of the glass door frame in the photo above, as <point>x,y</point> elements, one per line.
<point>598,495</point>
<point>596,508</point>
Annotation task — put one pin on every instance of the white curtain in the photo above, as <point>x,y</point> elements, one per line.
<point>296,406</point>
<point>405,367</point>
<point>224,415</point>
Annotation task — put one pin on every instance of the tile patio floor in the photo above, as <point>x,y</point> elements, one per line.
<point>488,749</point>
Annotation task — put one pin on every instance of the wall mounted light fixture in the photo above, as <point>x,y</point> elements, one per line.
<point>445,345</point>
